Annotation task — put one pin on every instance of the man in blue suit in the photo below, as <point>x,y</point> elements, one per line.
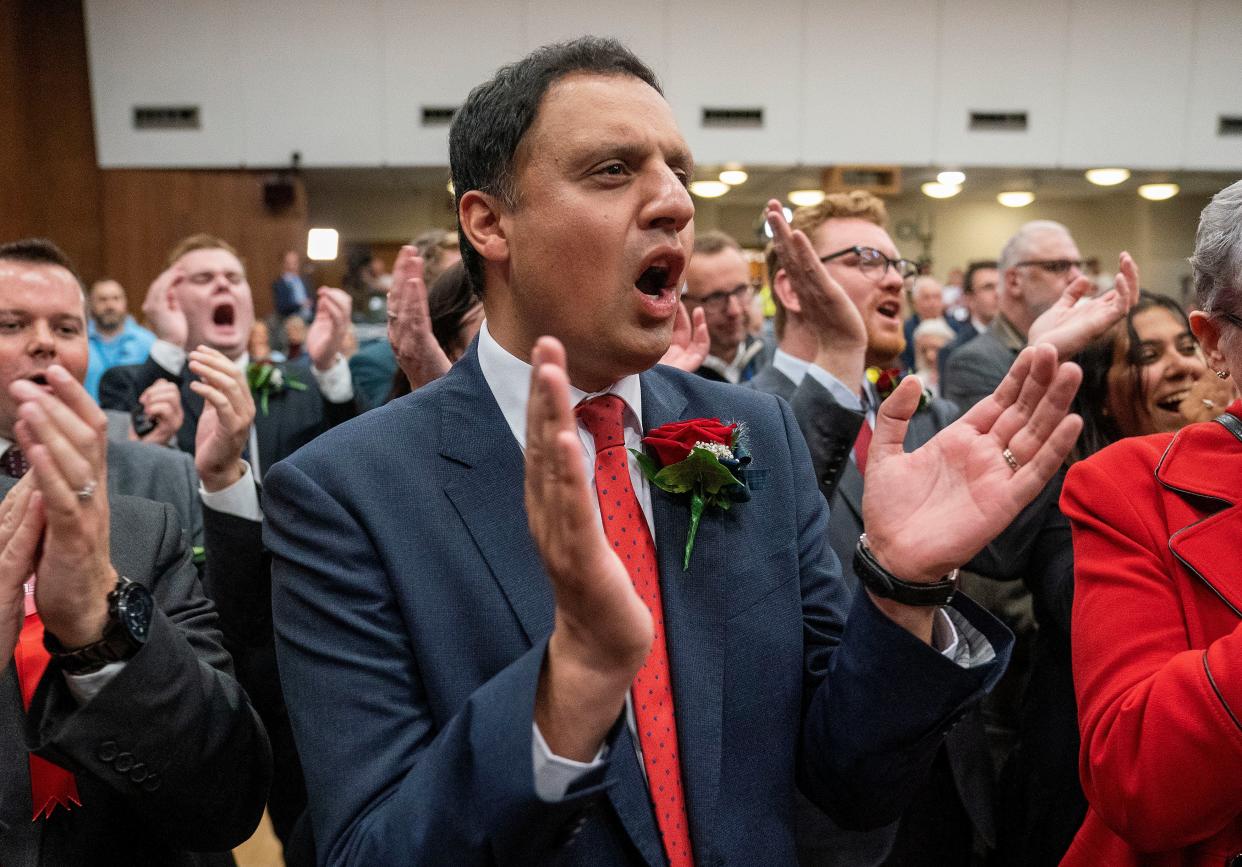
<point>475,677</point>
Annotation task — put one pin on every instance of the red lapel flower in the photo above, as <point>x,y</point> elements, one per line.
<point>673,442</point>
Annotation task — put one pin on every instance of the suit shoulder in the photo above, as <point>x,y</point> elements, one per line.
<point>144,457</point>
<point>1130,458</point>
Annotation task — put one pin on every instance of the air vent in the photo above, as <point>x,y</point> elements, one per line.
<point>438,115</point>
<point>998,121</point>
<point>733,118</point>
<point>1230,124</point>
<point>166,117</point>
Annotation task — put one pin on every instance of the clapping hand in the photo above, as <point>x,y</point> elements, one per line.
<point>418,353</point>
<point>819,300</point>
<point>929,511</point>
<point>21,529</point>
<point>161,309</point>
<point>691,341</point>
<point>162,403</point>
<point>603,631</point>
<point>1075,319</point>
<point>224,426</point>
<point>64,436</point>
<point>327,333</point>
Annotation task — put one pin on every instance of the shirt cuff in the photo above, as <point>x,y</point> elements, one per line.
<point>553,774</point>
<point>240,499</point>
<point>335,383</point>
<point>842,395</point>
<point>168,356</point>
<point>957,639</point>
<point>84,687</point>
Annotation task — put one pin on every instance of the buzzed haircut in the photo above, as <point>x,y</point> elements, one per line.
<point>39,251</point>
<point>857,204</point>
<point>968,282</point>
<point>715,241</point>
<point>489,127</point>
<point>200,241</point>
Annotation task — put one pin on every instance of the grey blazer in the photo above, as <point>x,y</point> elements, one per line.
<point>975,369</point>
<point>169,756</point>
<point>161,474</point>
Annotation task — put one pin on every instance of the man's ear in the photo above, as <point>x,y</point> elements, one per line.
<point>1207,332</point>
<point>785,292</point>
<point>1010,287</point>
<point>479,216</point>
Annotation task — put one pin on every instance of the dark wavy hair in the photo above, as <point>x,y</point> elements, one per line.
<point>1099,428</point>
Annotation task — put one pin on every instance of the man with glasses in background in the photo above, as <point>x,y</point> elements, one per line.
<point>1036,266</point>
<point>718,281</point>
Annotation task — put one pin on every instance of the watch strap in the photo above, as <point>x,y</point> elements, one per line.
<point>885,584</point>
<point>118,643</point>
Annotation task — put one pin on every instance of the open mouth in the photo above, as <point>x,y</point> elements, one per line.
<point>224,314</point>
<point>661,271</point>
<point>1173,402</point>
<point>889,309</point>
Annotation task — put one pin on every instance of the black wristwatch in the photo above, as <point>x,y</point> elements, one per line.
<point>130,608</point>
<point>883,583</point>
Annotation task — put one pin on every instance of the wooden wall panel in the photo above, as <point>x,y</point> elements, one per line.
<point>49,180</point>
<point>146,212</point>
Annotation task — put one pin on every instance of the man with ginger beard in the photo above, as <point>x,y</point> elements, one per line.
<point>835,316</point>
<point>472,585</point>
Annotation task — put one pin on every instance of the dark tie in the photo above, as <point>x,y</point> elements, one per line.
<point>14,462</point>
<point>626,529</point>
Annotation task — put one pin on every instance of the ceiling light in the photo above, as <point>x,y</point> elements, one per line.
<point>733,177</point>
<point>767,230</point>
<point>1159,192</point>
<point>1107,177</point>
<point>708,189</point>
<point>321,244</point>
<point>1016,198</point>
<point>950,179</point>
<point>806,198</point>
<point>940,190</point>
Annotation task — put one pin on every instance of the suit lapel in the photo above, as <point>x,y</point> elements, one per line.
<point>694,620</point>
<point>485,482</point>
<point>851,489</point>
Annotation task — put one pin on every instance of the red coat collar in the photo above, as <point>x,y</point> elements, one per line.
<point>1205,460</point>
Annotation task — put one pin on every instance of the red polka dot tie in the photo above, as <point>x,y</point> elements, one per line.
<point>652,693</point>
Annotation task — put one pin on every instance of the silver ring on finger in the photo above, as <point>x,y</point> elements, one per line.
<point>87,491</point>
<point>1011,460</point>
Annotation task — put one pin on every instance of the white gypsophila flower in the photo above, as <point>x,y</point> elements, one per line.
<point>277,378</point>
<point>720,450</point>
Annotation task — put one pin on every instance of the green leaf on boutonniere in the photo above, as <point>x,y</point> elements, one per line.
<point>701,475</point>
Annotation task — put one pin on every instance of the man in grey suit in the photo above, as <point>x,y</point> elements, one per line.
<point>125,735</point>
<point>1041,282</point>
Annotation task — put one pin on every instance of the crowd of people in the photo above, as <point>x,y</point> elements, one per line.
<point>590,562</point>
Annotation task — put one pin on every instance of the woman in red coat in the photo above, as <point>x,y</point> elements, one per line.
<point>1157,617</point>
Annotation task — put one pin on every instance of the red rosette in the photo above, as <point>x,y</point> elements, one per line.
<point>673,442</point>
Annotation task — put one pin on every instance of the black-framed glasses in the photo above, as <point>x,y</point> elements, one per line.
<point>718,301</point>
<point>1053,266</point>
<point>874,264</point>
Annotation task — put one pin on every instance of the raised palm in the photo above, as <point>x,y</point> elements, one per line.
<point>1076,318</point>
<point>929,511</point>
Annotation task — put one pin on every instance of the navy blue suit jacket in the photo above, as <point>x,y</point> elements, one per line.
<point>412,615</point>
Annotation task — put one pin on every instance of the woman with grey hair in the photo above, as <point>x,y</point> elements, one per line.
<point>1157,614</point>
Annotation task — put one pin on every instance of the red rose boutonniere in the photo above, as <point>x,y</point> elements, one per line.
<point>700,457</point>
<point>886,381</point>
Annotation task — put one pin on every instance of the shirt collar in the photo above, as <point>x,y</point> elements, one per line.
<point>1004,331</point>
<point>509,379</point>
<point>794,368</point>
